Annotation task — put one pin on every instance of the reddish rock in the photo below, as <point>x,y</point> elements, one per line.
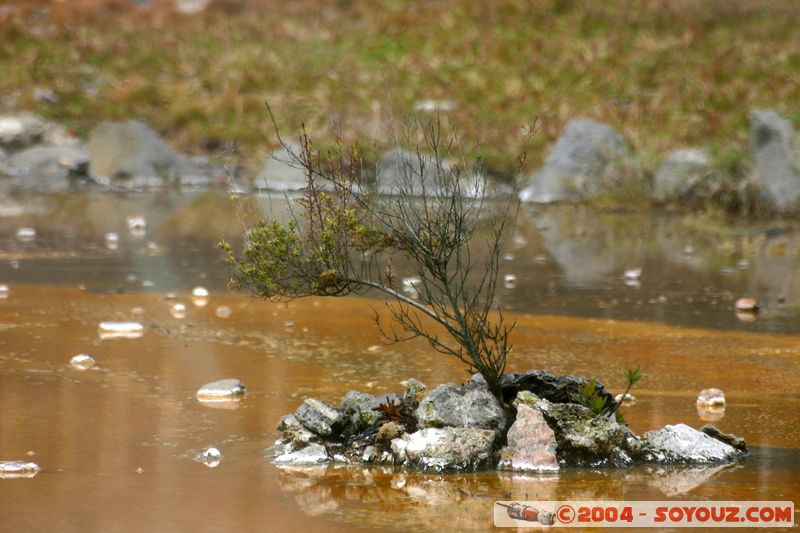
<point>531,444</point>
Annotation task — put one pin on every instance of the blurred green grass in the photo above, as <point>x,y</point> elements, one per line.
<point>665,73</point>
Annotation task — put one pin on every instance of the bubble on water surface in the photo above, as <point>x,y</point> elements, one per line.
<point>509,281</point>
<point>82,362</point>
<point>223,311</point>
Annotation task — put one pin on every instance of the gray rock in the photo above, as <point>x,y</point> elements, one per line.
<point>414,393</point>
<point>775,151</point>
<point>295,432</point>
<point>310,455</point>
<point>531,444</point>
<point>585,155</point>
<point>319,417</point>
<point>448,449</point>
<point>402,171</point>
<point>461,406</point>
<point>132,154</point>
<point>21,131</point>
<point>681,444</point>
<point>680,173</point>
<point>360,409</point>
<point>222,390</point>
<point>51,163</point>
<point>584,439</point>
<point>280,172</point>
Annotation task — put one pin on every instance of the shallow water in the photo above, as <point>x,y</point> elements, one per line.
<point>116,442</point>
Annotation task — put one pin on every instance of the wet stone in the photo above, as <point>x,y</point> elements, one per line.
<point>26,234</point>
<point>178,311</point>
<point>4,291</point>
<point>295,432</point>
<point>18,469</point>
<point>471,406</point>
<point>449,449</point>
<point>711,398</point>
<point>319,417</point>
<point>748,305</point>
<point>223,311</point>
<point>200,292</point>
<point>414,393</point>
<point>82,362</point>
<point>310,455</point>
<point>222,390</point>
<point>211,457</point>
<point>361,409</point>
<point>681,444</point>
<point>120,330</point>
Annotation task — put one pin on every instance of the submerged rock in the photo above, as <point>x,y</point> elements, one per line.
<point>319,417</point>
<point>211,457</point>
<point>310,455</point>
<point>82,362</point>
<point>531,444</point>
<point>120,330</point>
<point>222,390</point>
<point>466,406</point>
<point>681,444</point>
<point>18,469</point>
<point>448,449</point>
<point>711,398</point>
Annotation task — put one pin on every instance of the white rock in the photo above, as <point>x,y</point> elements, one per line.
<point>136,222</point>
<point>633,274</point>
<point>200,292</point>
<point>711,398</point>
<point>120,330</point>
<point>211,457</point>
<point>627,399</point>
<point>509,281</point>
<point>223,311</point>
<point>434,106</point>
<point>222,390</point>
<point>82,362</point>
<point>749,305</point>
<point>4,292</point>
<point>310,455</point>
<point>26,234</point>
<point>681,444</point>
<point>18,469</point>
